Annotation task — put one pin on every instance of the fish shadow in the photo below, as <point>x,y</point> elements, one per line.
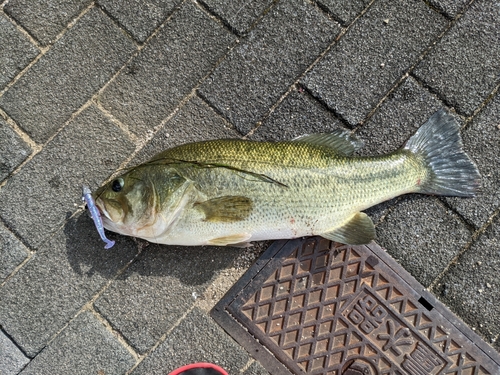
<point>86,255</point>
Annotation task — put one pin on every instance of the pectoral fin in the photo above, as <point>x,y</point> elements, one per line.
<point>237,240</point>
<point>226,209</point>
<point>358,230</point>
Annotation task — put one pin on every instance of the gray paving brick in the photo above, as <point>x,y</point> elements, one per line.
<point>471,287</point>
<point>44,19</point>
<point>481,142</point>
<point>255,369</point>
<point>465,66</point>
<point>194,122</point>
<point>84,347</point>
<point>86,151</point>
<point>423,236</point>
<point>45,97</point>
<point>167,69</point>
<point>16,51</point>
<point>344,11</point>
<point>158,289</point>
<point>12,252</point>
<point>398,118</point>
<point>240,16</point>
<point>450,7</point>
<point>296,115</point>
<point>256,73</point>
<point>362,67</point>
<point>12,360</point>
<point>44,295</point>
<point>140,17</point>
<point>196,339</point>
<point>13,150</point>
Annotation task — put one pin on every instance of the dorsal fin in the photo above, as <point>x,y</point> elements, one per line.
<point>339,141</point>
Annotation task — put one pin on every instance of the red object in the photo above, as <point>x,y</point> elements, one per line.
<point>200,365</point>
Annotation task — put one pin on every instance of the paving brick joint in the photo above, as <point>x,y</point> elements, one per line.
<point>89,87</point>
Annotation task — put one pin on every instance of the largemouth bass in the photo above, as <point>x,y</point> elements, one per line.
<point>232,192</point>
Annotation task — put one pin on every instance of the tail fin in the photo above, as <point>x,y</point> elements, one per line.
<point>438,141</point>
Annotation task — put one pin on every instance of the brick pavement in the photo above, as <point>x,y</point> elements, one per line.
<point>87,87</point>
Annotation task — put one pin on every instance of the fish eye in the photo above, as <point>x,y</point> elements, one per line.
<point>117,185</point>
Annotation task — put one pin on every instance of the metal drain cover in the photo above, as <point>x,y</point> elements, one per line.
<point>317,307</point>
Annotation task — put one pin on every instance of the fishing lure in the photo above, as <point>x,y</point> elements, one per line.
<point>96,216</point>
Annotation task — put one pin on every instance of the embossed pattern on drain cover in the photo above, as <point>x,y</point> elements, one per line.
<point>319,307</point>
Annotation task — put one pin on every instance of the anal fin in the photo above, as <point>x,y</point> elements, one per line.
<point>358,230</point>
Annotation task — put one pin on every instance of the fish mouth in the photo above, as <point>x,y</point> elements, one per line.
<point>102,208</point>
